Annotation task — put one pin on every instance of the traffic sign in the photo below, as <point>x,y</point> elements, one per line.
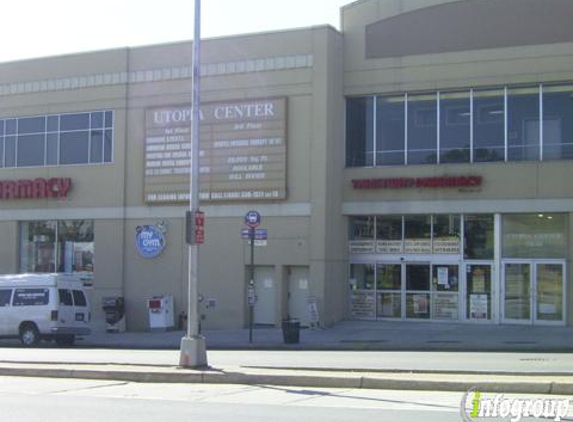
<point>253,219</point>
<point>260,234</point>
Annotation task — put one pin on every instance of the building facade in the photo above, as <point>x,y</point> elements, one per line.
<point>413,165</point>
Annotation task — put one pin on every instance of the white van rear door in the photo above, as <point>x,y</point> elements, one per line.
<point>65,308</point>
<point>81,309</point>
<point>5,296</point>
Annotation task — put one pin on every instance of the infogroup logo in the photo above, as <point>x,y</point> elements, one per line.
<point>476,406</point>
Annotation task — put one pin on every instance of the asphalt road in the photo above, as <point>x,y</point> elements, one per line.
<point>553,363</point>
<point>61,400</point>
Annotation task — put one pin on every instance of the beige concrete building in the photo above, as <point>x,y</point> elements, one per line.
<point>413,165</point>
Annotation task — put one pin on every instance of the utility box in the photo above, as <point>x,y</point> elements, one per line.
<point>114,308</point>
<point>161,313</point>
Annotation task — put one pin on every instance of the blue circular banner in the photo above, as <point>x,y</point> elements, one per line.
<point>149,241</point>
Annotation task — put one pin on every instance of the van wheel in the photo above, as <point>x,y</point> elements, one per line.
<point>29,335</point>
<point>65,340</point>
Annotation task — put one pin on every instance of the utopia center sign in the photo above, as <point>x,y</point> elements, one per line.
<point>150,240</point>
<point>242,153</point>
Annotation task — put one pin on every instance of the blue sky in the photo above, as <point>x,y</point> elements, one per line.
<point>37,28</point>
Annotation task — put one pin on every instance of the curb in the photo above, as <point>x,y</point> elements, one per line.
<point>350,380</point>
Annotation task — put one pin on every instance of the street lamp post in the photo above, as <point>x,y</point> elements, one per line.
<point>193,349</point>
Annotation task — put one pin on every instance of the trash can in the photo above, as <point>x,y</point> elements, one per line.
<point>114,308</point>
<point>291,331</point>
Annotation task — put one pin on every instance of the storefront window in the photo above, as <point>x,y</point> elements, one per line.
<point>557,122</point>
<point>76,248</point>
<point>418,234</point>
<point>422,132</point>
<point>534,236</point>
<point>58,246</point>
<point>362,295</point>
<point>418,291</point>
<point>37,252</point>
<point>359,132</point>
<point>455,120</point>
<point>446,234</point>
<point>489,128</point>
<point>390,131</point>
<point>478,235</point>
<point>389,234</point>
<point>362,234</point>
<point>523,124</point>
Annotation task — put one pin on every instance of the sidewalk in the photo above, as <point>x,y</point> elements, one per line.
<point>535,370</point>
<point>362,335</point>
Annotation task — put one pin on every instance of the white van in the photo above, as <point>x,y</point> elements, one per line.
<point>36,307</point>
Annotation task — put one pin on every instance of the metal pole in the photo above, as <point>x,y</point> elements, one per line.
<point>193,350</point>
<point>252,282</point>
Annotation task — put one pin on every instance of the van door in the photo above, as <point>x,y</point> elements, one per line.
<point>81,309</point>
<point>65,308</point>
<point>5,295</point>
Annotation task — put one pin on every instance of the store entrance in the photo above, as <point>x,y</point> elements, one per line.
<point>418,291</point>
<point>533,292</point>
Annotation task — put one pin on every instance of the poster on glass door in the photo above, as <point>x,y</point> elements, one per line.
<point>478,307</point>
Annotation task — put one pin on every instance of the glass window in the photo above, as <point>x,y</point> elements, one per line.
<point>390,122</point>
<point>489,126</point>
<point>31,297</point>
<point>37,241</point>
<point>478,235</point>
<point>362,228</point>
<point>52,149</point>
<point>1,151</point>
<point>418,232</point>
<point>97,120</point>
<point>455,127</point>
<point>422,133</point>
<point>79,298</point>
<point>446,234</point>
<point>109,119</point>
<point>418,277</point>
<point>388,276</point>
<point>523,124</point>
<point>359,132</point>
<point>74,147</point>
<point>108,146</point>
<point>31,150</point>
<point>558,122</point>
<point>389,234</point>
<point>78,121</point>
<point>534,236</point>
<point>361,277</point>
<point>65,297</point>
<point>445,278</point>
<point>10,151</point>
<point>96,146</point>
<point>5,295</point>
<point>53,123</point>
<point>31,125</point>
<point>1,127</point>
<point>76,246</point>
<point>11,127</point>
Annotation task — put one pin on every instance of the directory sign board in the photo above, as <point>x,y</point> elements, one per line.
<point>242,151</point>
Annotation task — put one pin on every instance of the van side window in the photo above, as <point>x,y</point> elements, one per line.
<point>31,297</point>
<point>65,297</point>
<point>5,296</point>
<point>79,298</point>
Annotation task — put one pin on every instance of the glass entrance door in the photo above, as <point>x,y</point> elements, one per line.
<point>517,298</point>
<point>533,292</point>
<point>549,280</point>
<point>479,292</point>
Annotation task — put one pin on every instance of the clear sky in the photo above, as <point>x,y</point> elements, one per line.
<point>36,28</point>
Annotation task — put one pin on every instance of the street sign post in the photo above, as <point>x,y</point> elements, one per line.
<point>252,220</point>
